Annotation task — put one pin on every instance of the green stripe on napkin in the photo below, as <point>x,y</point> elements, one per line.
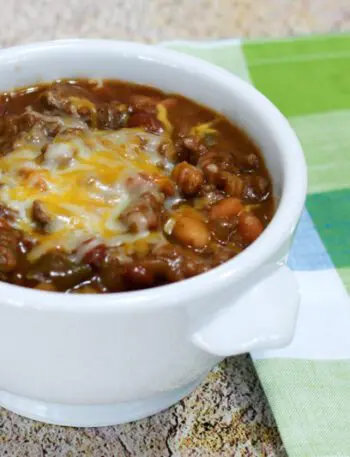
<point>326,139</point>
<point>306,408</point>
<point>302,76</point>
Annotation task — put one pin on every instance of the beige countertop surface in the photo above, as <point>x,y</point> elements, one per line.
<point>228,415</point>
<point>155,20</point>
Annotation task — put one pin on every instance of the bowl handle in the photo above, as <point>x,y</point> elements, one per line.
<point>263,317</point>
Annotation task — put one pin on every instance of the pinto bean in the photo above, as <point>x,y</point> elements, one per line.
<point>191,232</point>
<point>188,178</point>
<point>209,166</point>
<point>166,186</point>
<point>226,208</point>
<point>213,163</point>
<point>232,184</point>
<point>249,226</point>
<point>195,148</point>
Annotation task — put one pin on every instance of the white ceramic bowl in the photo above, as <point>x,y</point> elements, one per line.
<point>106,359</point>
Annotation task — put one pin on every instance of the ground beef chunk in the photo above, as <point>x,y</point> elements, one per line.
<point>57,268</point>
<point>40,215</point>
<point>113,115</point>
<point>71,99</point>
<point>256,188</point>
<point>144,213</point>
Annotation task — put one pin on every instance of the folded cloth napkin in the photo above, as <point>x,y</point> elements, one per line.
<point>308,383</point>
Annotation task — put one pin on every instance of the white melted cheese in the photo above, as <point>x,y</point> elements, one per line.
<point>82,180</point>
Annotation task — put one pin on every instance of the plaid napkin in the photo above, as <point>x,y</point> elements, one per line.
<point>308,383</point>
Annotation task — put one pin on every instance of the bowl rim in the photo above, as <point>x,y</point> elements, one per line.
<point>269,242</point>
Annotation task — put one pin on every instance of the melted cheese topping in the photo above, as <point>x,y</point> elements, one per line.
<point>202,130</point>
<point>82,180</point>
<point>162,115</point>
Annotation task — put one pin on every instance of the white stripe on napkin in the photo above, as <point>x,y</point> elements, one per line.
<point>323,327</point>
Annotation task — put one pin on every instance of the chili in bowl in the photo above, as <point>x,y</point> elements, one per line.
<point>147,204</point>
<point>109,186</point>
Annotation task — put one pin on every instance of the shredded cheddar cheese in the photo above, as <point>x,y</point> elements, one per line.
<point>201,130</point>
<point>162,115</point>
<point>81,179</point>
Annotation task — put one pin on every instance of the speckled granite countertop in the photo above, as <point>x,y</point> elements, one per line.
<point>228,414</point>
<point>154,20</point>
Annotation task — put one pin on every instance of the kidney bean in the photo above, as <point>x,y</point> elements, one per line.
<point>139,275</point>
<point>146,120</point>
<point>96,256</point>
<point>112,275</point>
